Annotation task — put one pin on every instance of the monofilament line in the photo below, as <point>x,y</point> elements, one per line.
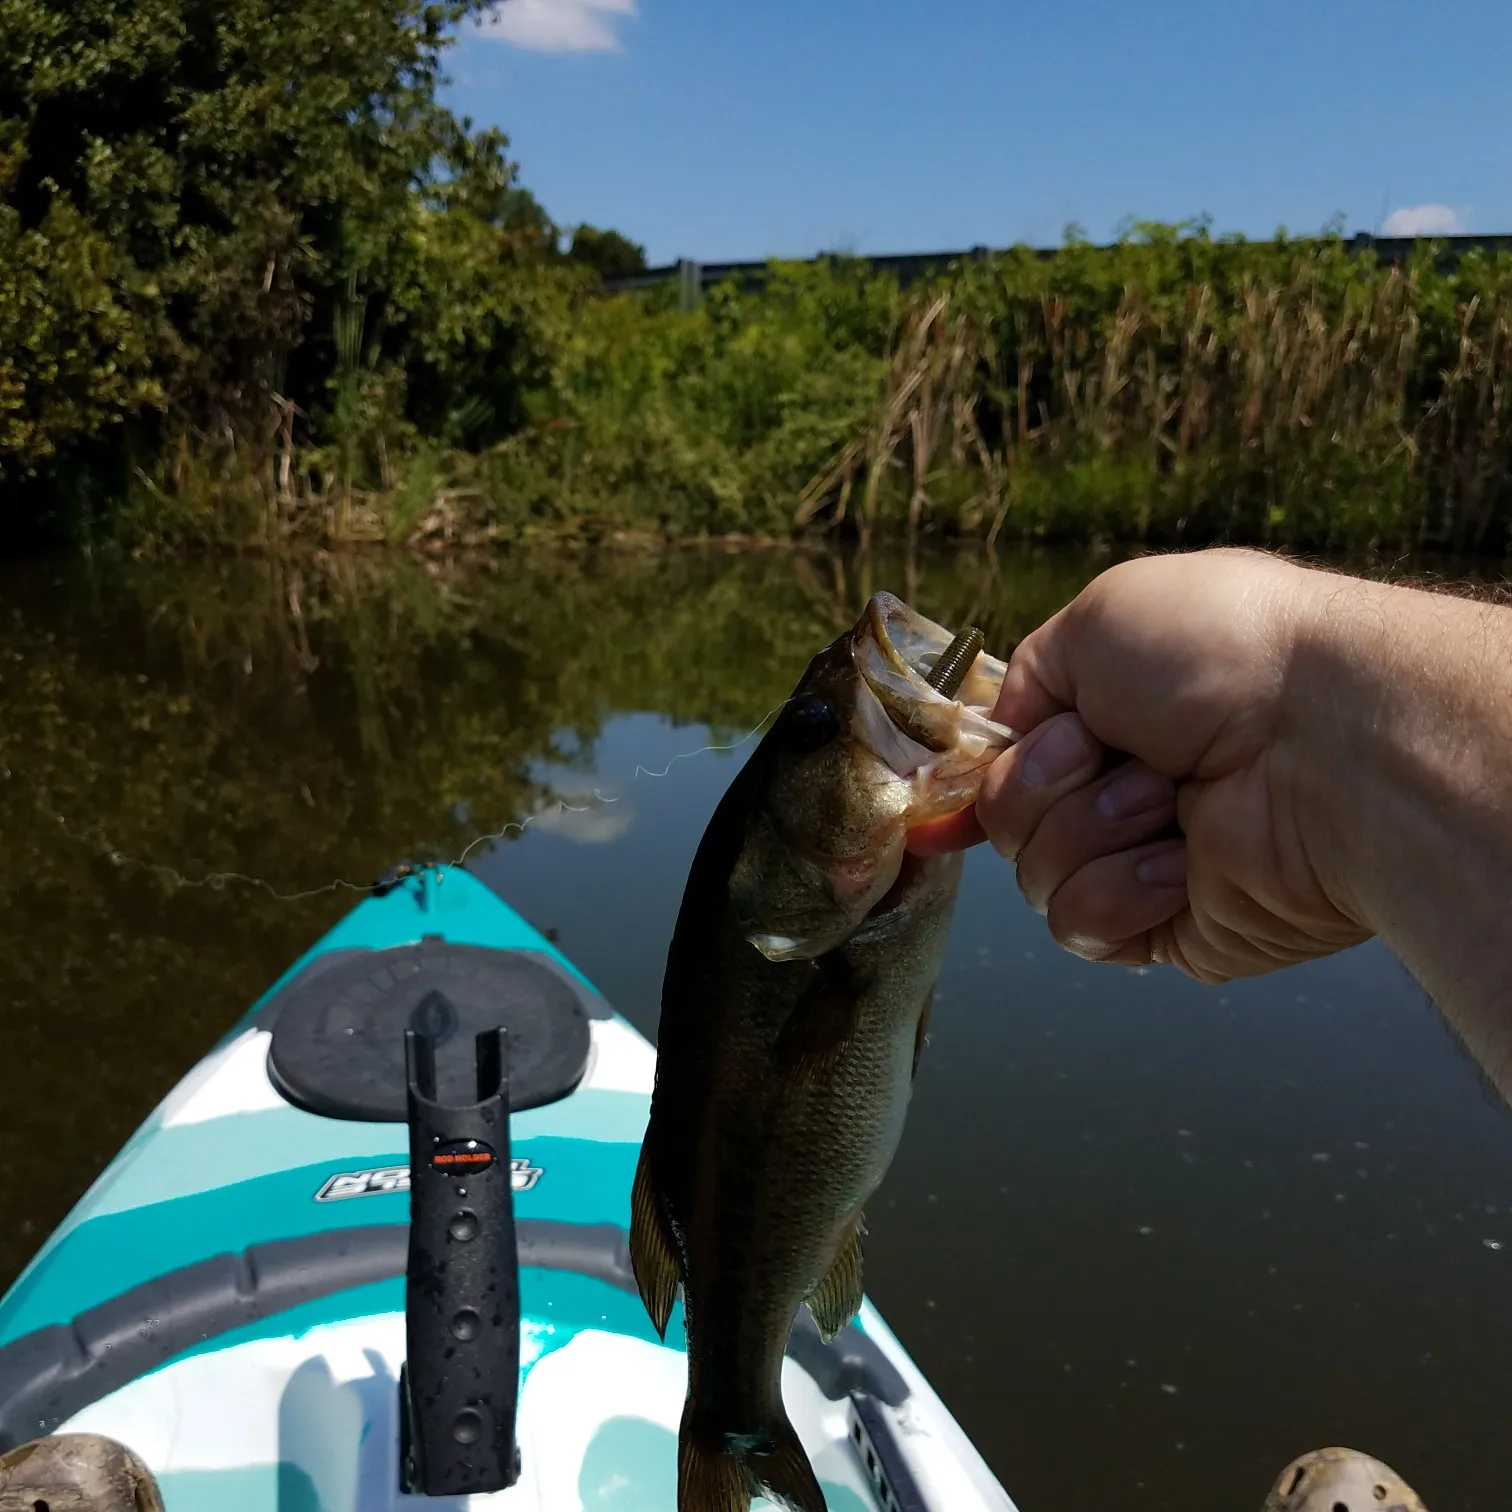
<point>93,836</point>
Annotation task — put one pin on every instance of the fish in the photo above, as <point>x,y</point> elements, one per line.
<point>795,1004</point>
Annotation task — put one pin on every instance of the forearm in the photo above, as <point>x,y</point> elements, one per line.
<point>1402,771</point>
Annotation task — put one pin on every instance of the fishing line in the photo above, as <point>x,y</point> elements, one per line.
<point>601,800</point>
<point>96,838</point>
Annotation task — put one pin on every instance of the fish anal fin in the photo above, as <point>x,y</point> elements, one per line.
<point>653,1256</point>
<point>721,1472</point>
<point>921,1029</point>
<point>819,1030</point>
<point>837,1298</point>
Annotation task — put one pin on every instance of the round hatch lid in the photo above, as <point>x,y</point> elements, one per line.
<point>338,1027</point>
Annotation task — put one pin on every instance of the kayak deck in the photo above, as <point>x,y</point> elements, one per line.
<point>228,1299</point>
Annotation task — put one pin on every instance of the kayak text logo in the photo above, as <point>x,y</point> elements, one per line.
<point>387,1179</point>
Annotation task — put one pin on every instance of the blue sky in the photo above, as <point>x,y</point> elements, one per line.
<point>722,130</point>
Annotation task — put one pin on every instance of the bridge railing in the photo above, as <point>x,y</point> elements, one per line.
<point>693,277</point>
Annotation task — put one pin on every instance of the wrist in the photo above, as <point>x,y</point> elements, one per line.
<point>1338,689</point>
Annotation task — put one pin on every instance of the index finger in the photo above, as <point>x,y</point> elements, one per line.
<point>1023,702</point>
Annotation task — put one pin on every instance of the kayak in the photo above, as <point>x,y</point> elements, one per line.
<point>371,1253</point>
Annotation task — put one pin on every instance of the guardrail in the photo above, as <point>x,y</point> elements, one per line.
<point>694,277</point>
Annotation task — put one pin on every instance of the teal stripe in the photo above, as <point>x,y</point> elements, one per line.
<point>194,1158</point>
<point>371,1301</point>
<point>555,1306</point>
<point>247,1488</point>
<point>589,1115</point>
<point>583,1182</point>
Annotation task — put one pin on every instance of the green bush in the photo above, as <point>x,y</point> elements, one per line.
<point>709,421</point>
<point>76,336</point>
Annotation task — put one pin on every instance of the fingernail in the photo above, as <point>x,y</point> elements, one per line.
<point>1167,868</point>
<point>1055,755</point>
<point>1135,792</point>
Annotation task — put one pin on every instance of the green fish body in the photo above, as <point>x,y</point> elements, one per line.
<point>794,1009</point>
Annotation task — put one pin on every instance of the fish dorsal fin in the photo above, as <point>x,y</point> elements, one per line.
<point>837,1298</point>
<point>819,1030</point>
<point>653,1257</point>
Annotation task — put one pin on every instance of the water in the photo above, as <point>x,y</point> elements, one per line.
<point>1150,1240</point>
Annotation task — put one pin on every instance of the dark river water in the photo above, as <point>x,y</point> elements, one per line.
<point>1150,1240</point>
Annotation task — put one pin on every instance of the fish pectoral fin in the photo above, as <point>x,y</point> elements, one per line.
<point>653,1256</point>
<point>837,1298</point>
<point>818,1030</point>
<point>921,1030</point>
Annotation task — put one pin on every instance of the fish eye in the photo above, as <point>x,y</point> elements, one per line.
<point>812,723</point>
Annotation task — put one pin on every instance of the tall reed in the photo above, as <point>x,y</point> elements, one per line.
<point>1184,388</point>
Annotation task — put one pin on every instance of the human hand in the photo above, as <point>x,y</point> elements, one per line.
<point>1165,693</point>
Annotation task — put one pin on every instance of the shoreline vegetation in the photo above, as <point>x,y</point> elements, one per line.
<point>260,289</point>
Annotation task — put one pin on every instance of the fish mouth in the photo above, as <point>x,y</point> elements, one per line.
<point>910,646</point>
<point>916,753</point>
<point>906,720</point>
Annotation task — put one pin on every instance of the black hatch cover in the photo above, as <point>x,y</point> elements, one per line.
<point>338,1027</point>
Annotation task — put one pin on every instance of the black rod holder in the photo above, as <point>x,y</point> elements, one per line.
<point>459,1388</point>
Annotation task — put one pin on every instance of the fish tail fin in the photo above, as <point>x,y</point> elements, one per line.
<point>711,1477</point>
<point>784,1472</point>
<point>716,1472</point>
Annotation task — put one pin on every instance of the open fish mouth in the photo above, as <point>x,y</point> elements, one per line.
<point>911,724</point>
<point>827,854</point>
<point>912,645</point>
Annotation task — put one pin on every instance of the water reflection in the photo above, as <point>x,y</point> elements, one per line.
<point>1150,1241</point>
<point>302,722</point>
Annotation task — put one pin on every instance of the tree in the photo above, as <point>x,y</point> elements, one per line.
<point>609,254</point>
<point>188,188</point>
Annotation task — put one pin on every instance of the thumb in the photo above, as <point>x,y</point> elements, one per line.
<point>1037,683</point>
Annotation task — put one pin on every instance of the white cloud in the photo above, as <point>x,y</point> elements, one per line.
<point>558,25</point>
<point>588,817</point>
<point>1424,220</point>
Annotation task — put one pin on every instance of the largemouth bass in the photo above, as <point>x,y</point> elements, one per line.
<point>794,1009</point>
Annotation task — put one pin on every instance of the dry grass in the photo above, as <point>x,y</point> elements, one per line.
<point>1313,407</point>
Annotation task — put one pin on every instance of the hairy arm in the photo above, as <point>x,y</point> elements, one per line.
<point>1337,754</point>
<point>1398,753</point>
